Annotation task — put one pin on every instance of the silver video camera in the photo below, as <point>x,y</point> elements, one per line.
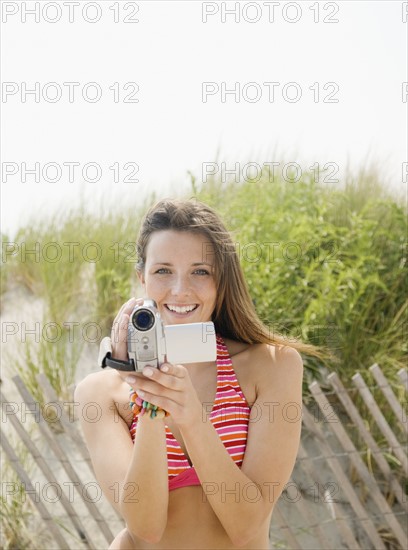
<point>152,343</point>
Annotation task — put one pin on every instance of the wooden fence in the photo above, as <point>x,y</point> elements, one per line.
<point>348,488</point>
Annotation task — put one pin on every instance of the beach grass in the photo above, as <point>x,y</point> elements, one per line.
<point>325,264</point>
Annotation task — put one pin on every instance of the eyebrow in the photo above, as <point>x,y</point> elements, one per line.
<point>194,264</point>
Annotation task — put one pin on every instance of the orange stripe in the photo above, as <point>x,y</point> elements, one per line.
<point>223,417</point>
<point>240,440</point>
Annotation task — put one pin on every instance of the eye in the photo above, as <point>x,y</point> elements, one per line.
<point>162,270</point>
<point>201,272</point>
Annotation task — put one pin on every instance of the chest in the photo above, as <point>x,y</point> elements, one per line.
<point>225,404</point>
<point>211,384</point>
<point>205,385</point>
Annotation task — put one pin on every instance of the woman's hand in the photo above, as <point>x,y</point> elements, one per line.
<point>170,388</point>
<point>119,331</point>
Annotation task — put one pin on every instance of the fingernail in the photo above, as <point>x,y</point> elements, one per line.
<point>130,379</point>
<point>148,372</point>
<point>164,368</point>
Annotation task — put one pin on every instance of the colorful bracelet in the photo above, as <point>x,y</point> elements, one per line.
<point>141,407</point>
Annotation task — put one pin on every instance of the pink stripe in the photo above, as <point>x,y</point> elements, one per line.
<point>233,403</point>
<point>229,405</point>
<point>235,414</point>
<point>236,450</point>
<point>228,430</point>
<point>226,393</point>
<point>240,426</point>
<point>175,464</point>
<point>229,411</point>
<point>238,419</point>
<point>231,396</point>
<point>225,432</point>
<point>224,387</point>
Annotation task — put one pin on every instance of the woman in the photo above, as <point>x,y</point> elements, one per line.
<point>209,474</point>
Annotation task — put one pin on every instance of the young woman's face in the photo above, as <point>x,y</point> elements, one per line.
<point>179,276</point>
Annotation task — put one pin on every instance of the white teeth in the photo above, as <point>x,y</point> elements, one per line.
<point>181,309</point>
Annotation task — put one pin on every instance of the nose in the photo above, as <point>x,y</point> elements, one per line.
<point>181,286</point>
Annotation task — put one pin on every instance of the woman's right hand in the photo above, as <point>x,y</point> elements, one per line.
<point>119,331</point>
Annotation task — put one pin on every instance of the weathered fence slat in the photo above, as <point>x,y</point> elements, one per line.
<point>335,509</point>
<point>46,470</point>
<point>305,513</point>
<point>65,463</point>
<point>285,529</point>
<point>380,420</point>
<point>354,415</point>
<point>388,394</point>
<point>320,534</point>
<point>403,376</point>
<point>25,480</point>
<point>68,427</point>
<point>348,446</point>
<point>64,419</point>
<point>346,485</point>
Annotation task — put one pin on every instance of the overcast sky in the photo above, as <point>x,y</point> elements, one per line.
<point>147,99</point>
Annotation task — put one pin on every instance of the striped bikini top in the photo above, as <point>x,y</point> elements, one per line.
<point>229,416</point>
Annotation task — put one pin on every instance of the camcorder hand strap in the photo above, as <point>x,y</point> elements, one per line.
<point>105,358</point>
<point>117,363</point>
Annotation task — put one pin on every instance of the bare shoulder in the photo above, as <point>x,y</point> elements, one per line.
<point>284,360</point>
<point>260,355</point>
<point>279,366</point>
<point>259,366</point>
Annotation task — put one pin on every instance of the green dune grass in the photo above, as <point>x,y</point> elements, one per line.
<point>324,264</point>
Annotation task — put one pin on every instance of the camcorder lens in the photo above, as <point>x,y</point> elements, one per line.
<point>143,319</point>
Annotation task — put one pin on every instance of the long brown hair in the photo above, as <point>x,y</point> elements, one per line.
<point>234,315</point>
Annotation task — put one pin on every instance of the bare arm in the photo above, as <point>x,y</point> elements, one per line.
<point>243,499</point>
<point>133,477</point>
<point>147,515</point>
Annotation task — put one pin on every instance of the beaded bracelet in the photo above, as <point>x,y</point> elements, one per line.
<point>141,407</point>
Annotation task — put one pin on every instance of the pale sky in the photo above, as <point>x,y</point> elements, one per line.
<point>171,55</point>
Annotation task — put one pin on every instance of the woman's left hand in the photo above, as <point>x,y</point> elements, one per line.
<point>170,388</point>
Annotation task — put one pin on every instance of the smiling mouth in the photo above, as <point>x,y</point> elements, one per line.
<point>181,309</point>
